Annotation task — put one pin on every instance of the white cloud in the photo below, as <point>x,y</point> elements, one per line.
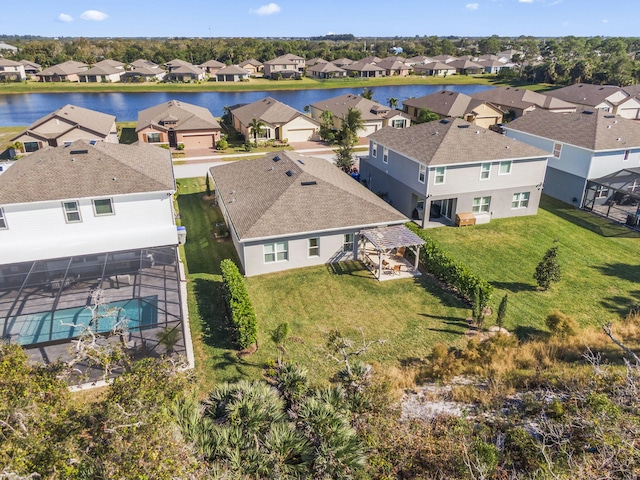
<point>94,15</point>
<point>472,6</point>
<point>604,20</point>
<point>268,9</point>
<point>525,1</point>
<point>63,17</point>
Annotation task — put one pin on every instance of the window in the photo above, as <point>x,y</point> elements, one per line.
<point>626,156</point>
<point>385,155</point>
<point>3,221</point>
<point>485,171</point>
<point>347,246</point>
<point>439,177</point>
<point>374,150</point>
<point>103,206</point>
<point>481,204</point>
<point>30,147</point>
<point>505,168</point>
<point>557,149</point>
<point>276,252</point>
<point>314,247</point>
<point>71,212</point>
<point>153,138</point>
<point>602,192</point>
<point>422,172</point>
<point>401,123</point>
<point>520,200</point>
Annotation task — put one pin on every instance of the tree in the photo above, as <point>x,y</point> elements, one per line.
<point>327,132</point>
<point>425,115</point>
<point>502,310</point>
<point>367,93</point>
<point>256,127</point>
<point>278,337</point>
<point>352,123</point>
<point>344,157</point>
<point>548,270</point>
<point>478,308</point>
<point>393,102</point>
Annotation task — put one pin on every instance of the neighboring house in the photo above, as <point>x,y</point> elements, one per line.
<point>507,55</point>
<point>177,63</point>
<point>315,61</point>
<point>31,68</point>
<point>418,59</point>
<point>633,90</point>
<point>374,115</point>
<point>12,71</point>
<point>434,69</point>
<point>5,47</point>
<point>101,74</point>
<point>520,101</point>
<point>394,68</point>
<point>584,145</point>
<point>444,58</point>
<point>342,62</point>
<point>364,70</point>
<point>232,73</point>
<point>111,63</point>
<point>280,121</point>
<point>63,72</point>
<point>495,66</point>
<point>211,67</point>
<point>84,218</point>
<point>393,58</point>
<point>66,125</point>
<point>326,70</point>
<point>288,211</point>
<point>285,66</point>
<point>143,74</point>
<point>370,59</point>
<point>454,104</point>
<point>252,66</point>
<point>178,123</point>
<point>436,170</point>
<point>466,67</point>
<point>609,98</point>
<point>185,73</point>
<point>142,63</point>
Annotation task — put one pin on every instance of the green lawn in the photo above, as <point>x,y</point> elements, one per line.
<point>600,263</point>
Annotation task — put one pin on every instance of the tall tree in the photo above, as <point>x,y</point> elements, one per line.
<point>425,115</point>
<point>367,93</point>
<point>393,102</point>
<point>256,127</point>
<point>548,270</point>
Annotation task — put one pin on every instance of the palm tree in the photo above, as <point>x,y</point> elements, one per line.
<point>352,123</point>
<point>367,93</point>
<point>256,126</point>
<point>393,102</point>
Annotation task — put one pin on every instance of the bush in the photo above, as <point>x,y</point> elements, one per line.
<point>222,144</point>
<point>180,146</point>
<point>561,325</point>
<point>239,305</point>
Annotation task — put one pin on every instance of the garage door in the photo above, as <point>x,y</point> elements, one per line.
<point>197,141</point>
<point>300,135</point>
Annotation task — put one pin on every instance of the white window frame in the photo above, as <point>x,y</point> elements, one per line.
<point>70,211</point>
<point>374,150</point>
<point>313,250</point>
<point>439,174</point>
<point>277,249</point>
<point>508,164</point>
<point>602,191</point>
<point>520,200</point>
<point>557,150</point>
<point>3,220</point>
<point>385,155</point>
<point>154,133</point>
<point>399,123</point>
<point>95,210</point>
<point>484,170</point>
<point>422,172</point>
<point>481,205</point>
<point>348,242</point>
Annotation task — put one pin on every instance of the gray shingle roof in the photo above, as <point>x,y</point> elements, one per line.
<point>453,141</point>
<point>267,202</point>
<point>232,70</point>
<point>212,63</point>
<point>363,67</point>
<point>585,93</point>
<point>520,98</point>
<point>101,70</point>
<point>251,61</point>
<point>268,110</point>
<point>597,130</point>
<point>325,67</point>
<point>189,117</point>
<point>340,105</point>
<point>444,102</point>
<point>66,68</point>
<point>58,173</point>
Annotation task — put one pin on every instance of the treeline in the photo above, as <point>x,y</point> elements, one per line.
<point>565,60</point>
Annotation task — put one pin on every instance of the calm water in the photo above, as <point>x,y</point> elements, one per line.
<point>26,108</point>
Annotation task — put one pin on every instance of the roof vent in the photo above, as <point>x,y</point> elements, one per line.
<point>78,152</point>
<point>464,126</point>
<point>290,173</point>
<point>587,112</point>
<point>115,179</point>
<point>276,158</point>
<point>445,121</point>
<point>312,182</point>
<point>618,139</point>
<point>609,116</point>
<point>300,162</point>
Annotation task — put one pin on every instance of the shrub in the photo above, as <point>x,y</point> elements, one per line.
<point>561,325</point>
<point>180,146</point>
<point>548,270</point>
<point>222,144</point>
<point>239,305</point>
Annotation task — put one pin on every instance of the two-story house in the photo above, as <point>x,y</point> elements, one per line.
<point>520,101</point>
<point>436,170</point>
<point>285,66</point>
<point>11,71</point>
<point>610,98</point>
<point>583,146</point>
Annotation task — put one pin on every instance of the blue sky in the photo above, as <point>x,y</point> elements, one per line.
<point>302,18</point>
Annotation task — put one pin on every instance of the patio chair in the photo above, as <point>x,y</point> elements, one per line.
<point>397,269</point>
<point>400,252</point>
<point>386,266</point>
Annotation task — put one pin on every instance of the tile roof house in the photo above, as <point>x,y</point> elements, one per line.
<point>101,73</point>
<point>284,66</point>
<point>364,70</point>
<point>325,70</point>
<point>610,98</point>
<point>520,101</point>
<point>81,218</point>
<point>394,67</point>
<point>434,69</point>
<point>184,72</point>
<point>174,123</point>
<point>284,211</point>
<point>68,124</point>
<point>583,146</point>
<point>435,170</point>
<point>252,66</point>
<point>280,121</point>
<point>374,115</point>
<point>63,72</point>
<point>12,71</point>
<point>466,67</point>
<point>232,73</point>
<point>454,104</point>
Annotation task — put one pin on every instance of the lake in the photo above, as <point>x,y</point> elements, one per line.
<point>24,109</point>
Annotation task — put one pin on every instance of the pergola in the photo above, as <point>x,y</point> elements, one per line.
<point>622,191</point>
<point>385,239</point>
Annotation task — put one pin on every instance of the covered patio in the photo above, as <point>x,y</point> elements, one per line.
<point>383,251</point>
<point>616,197</point>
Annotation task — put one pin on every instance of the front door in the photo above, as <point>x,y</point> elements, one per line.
<point>173,143</point>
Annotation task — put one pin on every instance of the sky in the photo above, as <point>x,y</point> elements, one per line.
<point>306,18</point>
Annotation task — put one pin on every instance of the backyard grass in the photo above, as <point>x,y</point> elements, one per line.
<point>6,134</point>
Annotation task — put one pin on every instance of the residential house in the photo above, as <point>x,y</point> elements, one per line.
<point>232,73</point>
<point>342,62</point>
<point>184,73</point>
<point>466,67</point>
<point>507,55</point>
<point>12,71</point>
<point>393,58</point>
<point>609,98</point>
<point>394,68</point>
<point>5,47</point>
<point>315,61</point>
<point>633,90</point>
<point>178,123</point>
<point>66,125</point>
<point>252,66</point>
<point>374,115</point>
<point>31,68</point>
<point>454,104</point>
<point>583,146</point>
<point>419,59</point>
<point>101,74</point>
<point>211,67</point>
<point>283,211</point>
<point>326,70</point>
<point>444,58</point>
<point>434,69</point>
<point>285,66</point>
<point>370,59</point>
<point>142,63</point>
<point>177,63</point>
<point>435,170</point>
<point>111,63</point>
<point>280,121</point>
<point>143,74</point>
<point>495,66</point>
<point>87,218</point>
<point>519,101</point>
<point>364,70</point>
<point>63,72</point>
